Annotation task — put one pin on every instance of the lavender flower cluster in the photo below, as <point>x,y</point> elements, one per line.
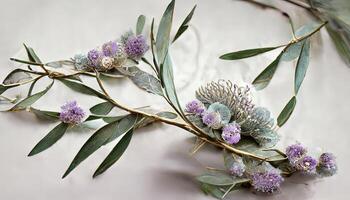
<point>71,113</point>
<point>113,54</point>
<point>299,159</point>
<point>216,116</point>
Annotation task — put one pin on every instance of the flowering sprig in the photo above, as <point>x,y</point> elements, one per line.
<point>223,114</point>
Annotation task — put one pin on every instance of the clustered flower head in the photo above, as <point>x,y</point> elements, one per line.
<point>231,133</point>
<point>237,168</point>
<point>136,46</point>
<point>195,107</point>
<point>112,54</point>
<point>298,158</point>
<point>267,182</point>
<point>327,165</point>
<point>212,119</point>
<point>72,113</point>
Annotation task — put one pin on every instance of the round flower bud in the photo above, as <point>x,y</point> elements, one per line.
<point>195,107</point>
<point>107,62</point>
<point>71,113</point>
<point>94,57</point>
<point>237,168</point>
<point>327,165</point>
<point>307,164</point>
<point>110,48</point>
<point>80,61</point>
<point>267,182</point>
<point>212,119</point>
<point>231,133</point>
<point>295,152</point>
<point>136,47</point>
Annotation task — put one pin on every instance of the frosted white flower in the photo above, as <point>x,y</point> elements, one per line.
<point>120,57</point>
<point>107,62</point>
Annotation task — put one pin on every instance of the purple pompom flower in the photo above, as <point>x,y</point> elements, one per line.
<point>95,57</point>
<point>195,107</point>
<point>72,113</point>
<point>327,165</point>
<point>136,46</point>
<point>212,119</point>
<point>237,168</point>
<point>307,164</point>
<point>231,133</point>
<point>267,182</point>
<point>295,152</point>
<point>109,49</point>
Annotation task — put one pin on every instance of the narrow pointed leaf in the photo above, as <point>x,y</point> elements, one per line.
<point>51,138</point>
<point>264,78</point>
<point>167,114</point>
<point>93,143</point>
<point>17,76</point>
<point>32,55</point>
<point>286,112</point>
<point>99,138</point>
<point>125,124</point>
<point>163,34</point>
<point>145,81</point>
<point>245,53</point>
<point>45,115</point>
<point>102,108</point>
<point>184,25</point>
<point>31,99</point>
<point>80,87</point>
<point>115,154</point>
<point>292,52</point>
<point>302,65</point>
<point>140,24</point>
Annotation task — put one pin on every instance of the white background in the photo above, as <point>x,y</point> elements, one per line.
<point>156,164</point>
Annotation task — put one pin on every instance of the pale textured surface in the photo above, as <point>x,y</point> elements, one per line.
<point>157,164</point>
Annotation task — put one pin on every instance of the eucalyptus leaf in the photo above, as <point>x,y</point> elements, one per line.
<point>223,110</point>
<point>264,78</point>
<point>80,87</point>
<point>102,108</point>
<point>184,25</point>
<point>246,53</point>
<point>115,154</point>
<point>216,178</point>
<point>3,87</point>
<point>307,29</point>
<point>45,115</point>
<point>98,139</point>
<point>32,55</point>
<point>302,65</point>
<point>17,76</point>
<point>124,125</point>
<point>140,24</point>
<point>292,51</point>
<point>167,114</point>
<point>31,99</point>
<point>213,190</point>
<point>286,112</point>
<point>145,81</point>
<point>51,138</point>
<point>32,87</point>
<point>60,64</point>
<point>163,34</point>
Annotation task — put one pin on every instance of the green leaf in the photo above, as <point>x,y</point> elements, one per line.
<point>163,34</point>
<point>79,87</point>
<point>3,88</point>
<point>167,114</point>
<point>302,65</point>
<point>166,73</point>
<point>140,24</point>
<point>213,190</point>
<point>31,99</point>
<point>17,76</point>
<point>99,138</point>
<point>45,115</point>
<point>93,143</point>
<point>115,154</point>
<point>51,138</point>
<point>102,108</point>
<point>184,25</point>
<point>223,110</point>
<point>60,64</point>
<point>32,87</point>
<point>307,29</point>
<point>340,34</point>
<point>286,112</point>
<point>145,81</point>
<point>264,78</point>
<point>32,55</point>
<point>216,178</point>
<point>246,53</point>
<point>126,124</point>
<point>292,52</point>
